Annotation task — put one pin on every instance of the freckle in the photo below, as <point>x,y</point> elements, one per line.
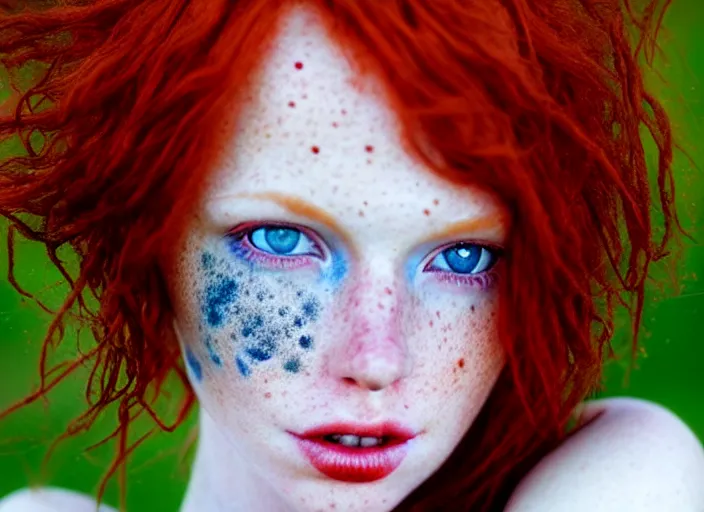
<point>436,202</point>
<point>292,104</point>
<point>298,65</point>
<point>369,161</point>
<point>335,125</point>
<point>460,363</point>
<point>315,149</point>
<point>369,149</point>
<point>388,291</point>
<point>426,212</point>
<point>380,306</point>
<point>361,213</point>
<point>267,395</point>
<point>344,112</point>
<point>437,313</point>
<point>430,324</point>
<point>305,96</point>
<point>405,406</point>
<point>366,203</point>
<point>472,308</point>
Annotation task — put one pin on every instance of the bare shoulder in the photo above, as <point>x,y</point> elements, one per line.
<point>632,456</point>
<point>50,500</point>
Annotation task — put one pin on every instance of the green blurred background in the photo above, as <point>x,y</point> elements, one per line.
<point>669,371</point>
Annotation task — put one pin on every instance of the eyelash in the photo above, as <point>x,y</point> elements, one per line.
<point>242,247</point>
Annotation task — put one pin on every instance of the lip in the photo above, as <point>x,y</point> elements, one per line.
<point>358,465</point>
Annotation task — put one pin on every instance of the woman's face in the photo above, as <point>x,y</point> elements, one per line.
<point>334,299</point>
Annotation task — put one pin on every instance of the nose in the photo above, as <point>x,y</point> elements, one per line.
<point>370,350</point>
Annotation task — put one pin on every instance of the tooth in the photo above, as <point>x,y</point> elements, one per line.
<point>349,440</point>
<point>369,441</point>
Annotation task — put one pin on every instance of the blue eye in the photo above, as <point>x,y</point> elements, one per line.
<point>465,258</point>
<point>278,240</point>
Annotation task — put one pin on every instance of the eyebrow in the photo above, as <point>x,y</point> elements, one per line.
<point>483,223</point>
<point>303,208</point>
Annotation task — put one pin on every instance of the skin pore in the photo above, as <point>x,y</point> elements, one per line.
<point>326,277</point>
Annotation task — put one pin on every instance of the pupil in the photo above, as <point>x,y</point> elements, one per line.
<point>463,259</point>
<point>282,240</point>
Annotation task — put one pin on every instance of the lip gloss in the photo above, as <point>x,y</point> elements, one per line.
<point>349,464</point>
<point>355,463</point>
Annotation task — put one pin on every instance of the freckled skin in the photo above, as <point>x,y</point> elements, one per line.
<point>361,333</point>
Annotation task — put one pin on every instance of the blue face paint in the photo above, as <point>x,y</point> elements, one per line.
<point>207,261</point>
<point>292,366</point>
<point>212,353</point>
<point>219,297</point>
<point>251,325</point>
<point>305,342</point>
<point>311,308</point>
<point>260,329</point>
<point>242,367</point>
<point>194,365</point>
<point>337,270</point>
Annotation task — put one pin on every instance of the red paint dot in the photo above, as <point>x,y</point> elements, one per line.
<point>292,104</point>
<point>334,125</point>
<point>299,65</point>
<point>426,212</point>
<point>267,395</point>
<point>315,149</point>
<point>460,363</point>
<point>369,149</point>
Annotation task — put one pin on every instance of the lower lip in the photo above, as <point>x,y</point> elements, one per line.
<point>358,465</point>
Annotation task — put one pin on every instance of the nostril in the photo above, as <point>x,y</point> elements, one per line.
<point>371,385</point>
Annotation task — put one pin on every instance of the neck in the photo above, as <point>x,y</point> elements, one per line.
<point>222,482</point>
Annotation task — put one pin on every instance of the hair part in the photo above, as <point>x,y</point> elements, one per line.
<point>541,102</point>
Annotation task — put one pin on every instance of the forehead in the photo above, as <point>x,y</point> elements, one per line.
<point>311,126</point>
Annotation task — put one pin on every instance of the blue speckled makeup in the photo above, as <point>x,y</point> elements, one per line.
<point>239,306</point>
<point>194,365</point>
<point>337,270</point>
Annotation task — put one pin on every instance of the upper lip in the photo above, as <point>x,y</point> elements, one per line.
<point>389,429</point>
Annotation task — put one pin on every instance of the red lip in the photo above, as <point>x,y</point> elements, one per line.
<point>355,464</point>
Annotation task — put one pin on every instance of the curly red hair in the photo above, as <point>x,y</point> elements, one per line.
<point>540,101</point>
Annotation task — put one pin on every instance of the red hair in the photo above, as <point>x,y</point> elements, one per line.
<point>539,101</point>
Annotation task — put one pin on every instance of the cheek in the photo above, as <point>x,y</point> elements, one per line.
<point>456,341</point>
<point>247,322</point>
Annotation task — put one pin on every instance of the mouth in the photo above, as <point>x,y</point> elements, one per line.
<point>355,453</point>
